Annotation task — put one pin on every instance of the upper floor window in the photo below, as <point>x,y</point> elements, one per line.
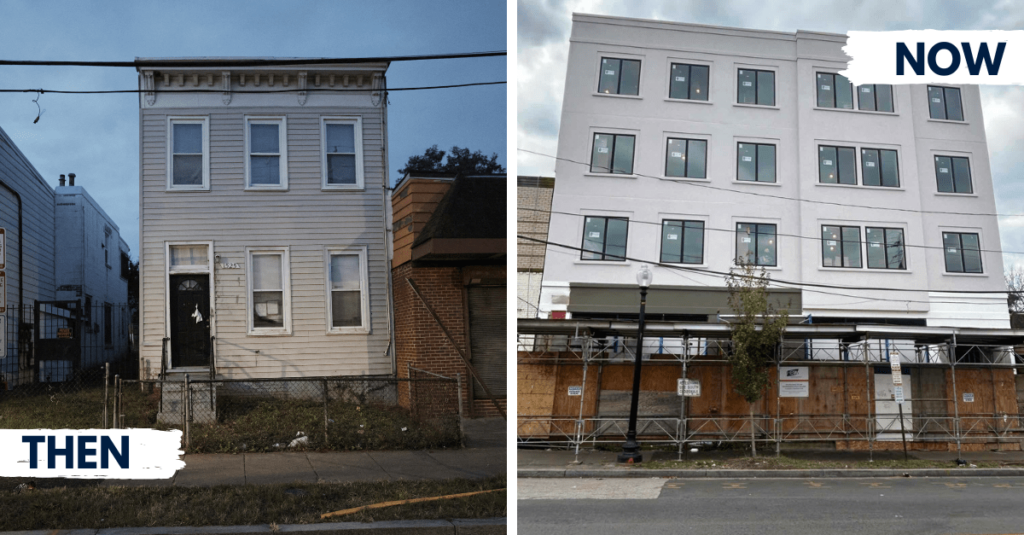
<point>269,291</point>
<point>879,167</point>
<point>885,248</point>
<point>613,153</point>
<point>875,97</point>
<point>834,91</point>
<point>266,159</point>
<point>686,158</point>
<point>604,238</point>
<point>755,87</point>
<point>682,242</point>
<point>953,174</point>
<point>688,82</point>
<point>837,165</point>
<point>963,252</point>
<point>348,309</point>
<point>126,262</point>
<point>840,246</point>
<point>755,162</point>
<point>189,158</point>
<point>755,244</point>
<point>619,76</point>
<point>944,103</point>
<point>342,149</point>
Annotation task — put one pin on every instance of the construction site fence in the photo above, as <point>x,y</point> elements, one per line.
<point>310,413</point>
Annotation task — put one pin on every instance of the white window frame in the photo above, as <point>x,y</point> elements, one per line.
<point>282,134</point>
<point>364,289</point>
<point>286,291</point>
<point>171,270</point>
<point>357,126</point>
<point>179,119</point>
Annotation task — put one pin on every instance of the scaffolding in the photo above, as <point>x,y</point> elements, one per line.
<point>683,345</point>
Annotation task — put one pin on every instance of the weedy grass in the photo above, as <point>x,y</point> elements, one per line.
<point>87,505</point>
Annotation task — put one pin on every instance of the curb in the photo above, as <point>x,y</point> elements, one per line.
<point>753,474</point>
<point>481,526</point>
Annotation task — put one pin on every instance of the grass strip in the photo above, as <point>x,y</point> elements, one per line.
<point>69,504</point>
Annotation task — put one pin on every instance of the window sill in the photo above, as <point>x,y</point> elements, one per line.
<point>689,101</point>
<point>865,270</point>
<point>269,333</point>
<point>348,330</point>
<point>180,189</point>
<point>859,186</point>
<point>758,268</point>
<point>684,265</point>
<point>609,175</point>
<point>354,187</point>
<point>947,194</point>
<point>623,263</point>
<point>947,121</point>
<point>266,188</point>
<point>755,183</point>
<point>866,112</point>
<point>616,95</point>
<point>975,275</point>
<point>758,106</point>
<point>685,179</point>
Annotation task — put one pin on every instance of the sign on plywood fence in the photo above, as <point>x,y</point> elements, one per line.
<point>794,382</point>
<point>688,388</point>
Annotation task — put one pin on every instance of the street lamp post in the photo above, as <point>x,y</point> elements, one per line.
<point>631,449</point>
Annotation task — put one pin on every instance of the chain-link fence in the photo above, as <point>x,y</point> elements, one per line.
<point>317,413</point>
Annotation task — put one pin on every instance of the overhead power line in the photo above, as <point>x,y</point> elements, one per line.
<point>814,238</point>
<point>782,197</point>
<point>246,62</point>
<point>798,284</point>
<point>296,90</point>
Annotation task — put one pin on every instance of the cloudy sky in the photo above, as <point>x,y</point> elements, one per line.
<point>543,46</point>
<point>96,136</point>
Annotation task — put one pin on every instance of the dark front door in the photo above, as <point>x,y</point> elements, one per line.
<point>190,320</point>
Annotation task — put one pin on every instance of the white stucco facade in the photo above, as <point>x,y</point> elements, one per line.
<point>796,202</point>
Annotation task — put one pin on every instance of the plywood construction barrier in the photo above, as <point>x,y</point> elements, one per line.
<point>840,403</point>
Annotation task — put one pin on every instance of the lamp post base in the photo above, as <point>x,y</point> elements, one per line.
<point>630,453</point>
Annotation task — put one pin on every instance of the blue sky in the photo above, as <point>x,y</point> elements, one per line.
<point>96,136</point>
<point>543,46</point>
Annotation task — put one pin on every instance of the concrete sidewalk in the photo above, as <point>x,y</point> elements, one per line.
<point>594,463</point>
<point>330,467</point>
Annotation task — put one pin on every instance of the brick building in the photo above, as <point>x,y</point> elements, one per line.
<point>533,207</point>
<point>449,261</point>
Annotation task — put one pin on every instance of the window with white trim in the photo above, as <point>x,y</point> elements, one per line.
<point>880,167</point>
<point>188,159</point>
<point>612,153</point>
<point>755,244</point>
<point>953,174</point>
<point>266,154</point>
<point>840,246</point>
<point>688,82</point>
<point>755,162</point>
<point>944,103</point>
<point>269,300</point>
<point>875,97</point>
<point>837,165</point>
<point>686,158</point>
<point>342,149</point>
<point>885,248</point>
<point>619,76</point>
<point>834,91</point>
<point>755,87</point>
<point>963,252</point>
<point>347,307</point>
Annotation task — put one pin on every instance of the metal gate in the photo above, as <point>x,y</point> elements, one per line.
<point>58,340</point>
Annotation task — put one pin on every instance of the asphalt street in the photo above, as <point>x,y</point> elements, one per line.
<point>768,506</point>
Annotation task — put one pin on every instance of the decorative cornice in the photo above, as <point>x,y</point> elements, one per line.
<point>302,85</point>
<point>147,84</point>
<point>226,78</point>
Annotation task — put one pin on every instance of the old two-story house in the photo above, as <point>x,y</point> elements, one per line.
<point>263,214</point>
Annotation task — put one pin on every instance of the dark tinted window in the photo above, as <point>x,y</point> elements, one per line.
<point>837,165</point>
<point>682,242</point>
<point>604,238</point>
<point>688,82</point>
<point>612,153</point>
<point>755,87</point>
<point>755,162</point>
<point>755,244</point>
<point>619,76</point>
<point>953,174</point>
<point>885,248</point>
<point>686,158</point>
<point>944,103</point>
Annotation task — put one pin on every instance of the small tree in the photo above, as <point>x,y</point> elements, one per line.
<point>756,332</point>
<point>459,161</point>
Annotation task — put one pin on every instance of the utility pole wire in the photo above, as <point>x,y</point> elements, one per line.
<point>308,89</point>
<point>245,62</point>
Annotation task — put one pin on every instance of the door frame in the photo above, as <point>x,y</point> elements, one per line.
<point>208,270</point>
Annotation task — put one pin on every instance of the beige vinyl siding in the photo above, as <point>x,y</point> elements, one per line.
<point>304,218</point>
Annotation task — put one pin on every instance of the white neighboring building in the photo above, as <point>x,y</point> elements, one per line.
<point>690,144</point>
<point>263,248</point>
<point>92,267</point>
